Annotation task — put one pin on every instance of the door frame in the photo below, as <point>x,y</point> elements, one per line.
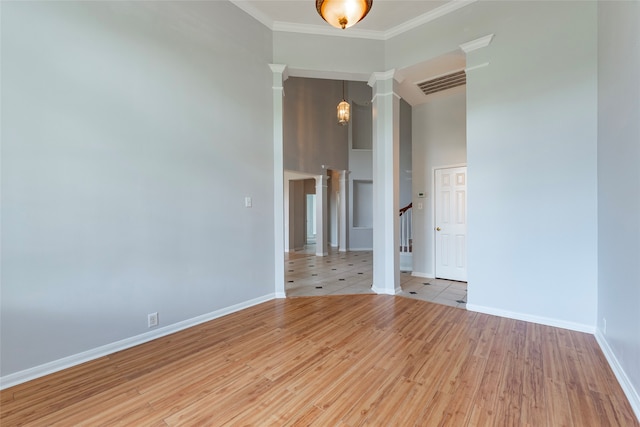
<point>432,222</point>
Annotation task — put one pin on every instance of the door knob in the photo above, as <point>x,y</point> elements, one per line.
<point>437,228</point>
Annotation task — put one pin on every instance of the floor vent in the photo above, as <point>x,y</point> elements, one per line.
<point>445,82</point>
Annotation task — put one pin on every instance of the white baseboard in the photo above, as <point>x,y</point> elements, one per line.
<point>628,389</point>
<point>360,249</point>
<point>579,327</point>
<point>86,356</point>
<point>425,275</point>
<point>384,291</point>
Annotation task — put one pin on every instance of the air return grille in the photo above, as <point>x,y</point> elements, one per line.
<point>448,81</point>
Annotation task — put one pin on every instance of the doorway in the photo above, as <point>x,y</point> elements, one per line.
<point>310,218</point>
<point>450,204</point>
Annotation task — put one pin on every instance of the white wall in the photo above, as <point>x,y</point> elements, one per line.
<point>619,189</point>
<point>126,157</point>
<point>357,58</point>
<point>531,153</point>
<point>439,139</point>
<point>361,167</point>
<point>333,189</point>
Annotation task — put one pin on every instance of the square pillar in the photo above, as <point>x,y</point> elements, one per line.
<point>321,215</point>
<point>279,76</point>
<point>343,223</point>
<point>386,183</point>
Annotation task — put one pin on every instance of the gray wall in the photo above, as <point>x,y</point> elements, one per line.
<point>131,133</point>
<point>531,153</point>
<point>312,135</point>
<point>439,139</point>
<point>405,153</point>
<point>619,184</point>
<point>358,57</point>
<point>297,211</point>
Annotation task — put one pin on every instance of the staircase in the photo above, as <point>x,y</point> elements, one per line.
<point>406,238</point>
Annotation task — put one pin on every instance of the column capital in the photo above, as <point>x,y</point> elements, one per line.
<point>385,83</point>
<point>280,74</point>
<point>321,180</point>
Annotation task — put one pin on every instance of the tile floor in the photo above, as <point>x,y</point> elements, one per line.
<point>344,273</point>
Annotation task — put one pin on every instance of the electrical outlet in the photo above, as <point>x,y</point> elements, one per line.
<point>604,325</point>
<point>152,319</point>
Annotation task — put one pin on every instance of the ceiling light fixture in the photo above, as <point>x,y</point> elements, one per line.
<point>343,109</point>
<point>343,13</point>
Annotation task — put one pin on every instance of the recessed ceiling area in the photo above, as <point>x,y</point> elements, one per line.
<point>386,18</point>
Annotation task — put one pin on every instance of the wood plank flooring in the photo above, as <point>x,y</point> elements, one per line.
<point>338,361</point>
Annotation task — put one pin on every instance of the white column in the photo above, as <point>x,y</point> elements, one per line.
<point>386,187</point>
<point>343,227</point>
<point>321,215</point>
<point>287,215</point>
<point>279,76</point>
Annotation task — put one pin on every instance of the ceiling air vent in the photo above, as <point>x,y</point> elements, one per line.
<point>441,83</point>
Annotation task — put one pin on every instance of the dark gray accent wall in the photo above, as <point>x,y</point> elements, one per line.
<point>312,135</point>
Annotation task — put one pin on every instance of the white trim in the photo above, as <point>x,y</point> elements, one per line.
<point>358,33</point>
<point>360,249</point>
<point>579,327</point>
<point>380,76</point>
<point>385,291</point>
<point>621,375</point>
<point>423,275</point>
<point>327,30</point>
<point>328,75</point>
<point>475,67</point>
<point>89,355</point>
<point>432,15</point>
<point>477,43</point>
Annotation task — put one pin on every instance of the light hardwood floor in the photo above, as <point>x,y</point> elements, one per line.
<point>338,361</point>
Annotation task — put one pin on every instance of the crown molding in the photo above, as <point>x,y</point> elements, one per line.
<point>476,44</point>
<point>432,15</point>
<point>476,67</point>
<point>327,30</point>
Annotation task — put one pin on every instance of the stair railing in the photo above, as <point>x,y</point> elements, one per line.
<point>406,229</point>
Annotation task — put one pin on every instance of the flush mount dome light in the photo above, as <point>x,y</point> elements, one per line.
<point>343,13</point>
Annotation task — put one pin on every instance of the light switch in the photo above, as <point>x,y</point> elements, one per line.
<point>419,205</point>
<point>247,202</point>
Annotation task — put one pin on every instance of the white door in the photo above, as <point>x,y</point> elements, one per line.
<point>451,223</point>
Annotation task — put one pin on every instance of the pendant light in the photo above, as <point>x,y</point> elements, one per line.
<point>343,13</point>
<point>343,109</point>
